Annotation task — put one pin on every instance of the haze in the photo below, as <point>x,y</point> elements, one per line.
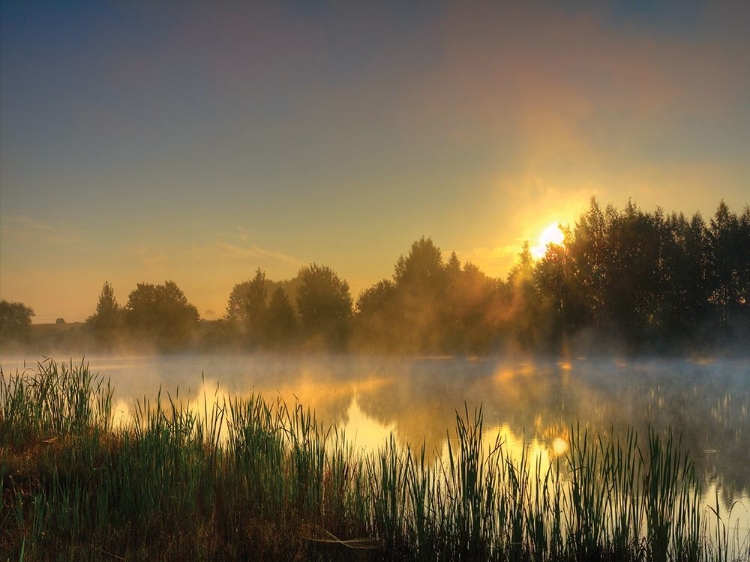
<point>197,142</point>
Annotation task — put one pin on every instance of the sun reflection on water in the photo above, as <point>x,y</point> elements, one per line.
<point>559,446</point>
<point>365,432</point>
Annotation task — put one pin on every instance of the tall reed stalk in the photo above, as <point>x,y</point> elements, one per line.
<point>245,478</point>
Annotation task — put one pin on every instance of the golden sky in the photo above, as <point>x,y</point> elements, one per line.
<point>196,142</point>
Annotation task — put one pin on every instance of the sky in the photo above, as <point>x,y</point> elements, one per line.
<point>198,141</point>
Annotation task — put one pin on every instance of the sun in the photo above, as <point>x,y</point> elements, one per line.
<point>550,235</point>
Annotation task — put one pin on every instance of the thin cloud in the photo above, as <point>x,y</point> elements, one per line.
<point>219,255</point>
<point>253,252</point>
<point>243,233</point>
<point>149,258</point>
<point>26,230</point>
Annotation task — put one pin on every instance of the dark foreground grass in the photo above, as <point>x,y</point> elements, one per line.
<point>249,479</point>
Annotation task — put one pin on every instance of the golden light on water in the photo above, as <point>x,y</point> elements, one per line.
<point>366,433</point>
<point>559,446</point>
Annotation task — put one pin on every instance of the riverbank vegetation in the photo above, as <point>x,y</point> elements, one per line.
<point>625,281</point>
<point>243,478</point>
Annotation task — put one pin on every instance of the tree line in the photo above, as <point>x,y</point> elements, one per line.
<point>640,281</point>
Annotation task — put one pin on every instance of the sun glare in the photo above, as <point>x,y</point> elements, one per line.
<point>550,235</point>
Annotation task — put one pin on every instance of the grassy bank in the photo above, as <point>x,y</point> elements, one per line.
<point>249,479</point>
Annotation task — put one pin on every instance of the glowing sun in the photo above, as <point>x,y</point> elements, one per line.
<point>550,235</point>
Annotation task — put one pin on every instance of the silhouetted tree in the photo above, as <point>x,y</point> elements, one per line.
<point>452,272</point>
<point>588,250</point>
<point>236,312</point>
<point>249,304</point>
<point>655,282</point>
<point>633,292</point>
<point>247,299</point>
<point>450,321</point>
<point>728,237</point>
<point>376,299</point>
<point>651,280</point>
<point>525,304</point>
<point>255,304</point>
<point>472,300</point>
<point>238,305</point>
<point>106,321</point>
<point>564,304</point>
<point>421,283</point>
<point>684,273</point>
<point>324,305</point>
<point>162,315</point>
<point>281,321</point>
<point>15,322</point>
<point>462,305</point>
<point>721,266</point>
<point>743,272</point>
<point>376,326</point>
<point>422,270</point>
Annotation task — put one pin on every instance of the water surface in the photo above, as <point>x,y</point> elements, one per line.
<point>532,404</point>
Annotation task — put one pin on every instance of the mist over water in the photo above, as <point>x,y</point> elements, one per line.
<point>531,403</point>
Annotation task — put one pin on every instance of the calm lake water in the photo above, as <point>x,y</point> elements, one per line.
<point>532,404</point>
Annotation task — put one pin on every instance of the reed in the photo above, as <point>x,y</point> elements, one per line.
<point>247,478</point>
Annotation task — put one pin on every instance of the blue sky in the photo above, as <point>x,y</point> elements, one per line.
<point>144,141</point>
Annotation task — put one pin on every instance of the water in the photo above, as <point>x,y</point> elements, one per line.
<point>531,404</point>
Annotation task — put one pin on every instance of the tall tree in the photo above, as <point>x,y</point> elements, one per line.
<point>471,300</point>
<point>725,258</point>
<point>280,321</point>
<point>450,320</point>
<point>255,304</point>
<point>162,315</point>
<point>106,321</point>
<point>684,277</point>
<point>422,270</point>
<point>421,283</point>
<point>377,317</point>
<point>15,321</point>
<point>588,250</point>
<point>236,312</point>
<point>525,300</point>
<point>325,306</point>
<point>239,305</point>
<point>633,261</point>
<point>564,303</point>
<point>743,271</point>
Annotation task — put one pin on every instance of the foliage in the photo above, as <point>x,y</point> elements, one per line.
<point>281,324</point>
<point>429,306</point>
<point>633,280</point>
<point>106,322</point>
<point>161,314</point>
<point>248,300</point>
<point>325,306</point>
<point>239,298</point>
<point>650,281</point>
<point>375,315</point>
<point>256,305</point>
<point>421,284</point>
<point>15,320</point>
<point>236,311</point>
